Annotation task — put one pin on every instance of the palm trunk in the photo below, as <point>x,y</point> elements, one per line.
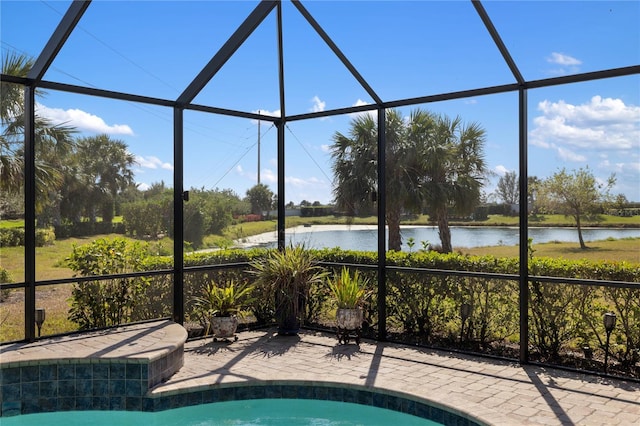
<point>393,222</point>
<point>443,230</point>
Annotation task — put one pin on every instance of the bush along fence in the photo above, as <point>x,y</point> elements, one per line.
<point>425,303</point>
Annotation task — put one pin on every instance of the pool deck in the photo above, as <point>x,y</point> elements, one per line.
<point>496,392</point>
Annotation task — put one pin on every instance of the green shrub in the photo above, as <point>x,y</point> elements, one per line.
<point>111,301</point>
<point>14,237</point>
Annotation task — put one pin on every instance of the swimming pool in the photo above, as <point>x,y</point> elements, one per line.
<point>153,407</point>
<point>263,412</point>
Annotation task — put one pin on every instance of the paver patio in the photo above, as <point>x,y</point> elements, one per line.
<point>493,391</point>
<point>498,392</point>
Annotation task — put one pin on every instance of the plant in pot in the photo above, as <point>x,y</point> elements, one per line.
<point>349,292</point>
<point>287,276</point>
<point>220,306</point>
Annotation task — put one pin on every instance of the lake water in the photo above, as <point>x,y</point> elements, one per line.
<point>365,238</point>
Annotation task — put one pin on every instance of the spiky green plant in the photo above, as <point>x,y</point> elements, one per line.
<point>286,276</point>
<point>349,291</point>
<point>224,300</point>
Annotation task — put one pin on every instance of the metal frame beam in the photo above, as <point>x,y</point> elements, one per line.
<point>382,237</point>
<point>227,50</point>
<point>523,292</point>
<point>58,38</point>
<point>316,26</point>
<point>498,40</point>
<point>29,213</point>
<point>178,215</point>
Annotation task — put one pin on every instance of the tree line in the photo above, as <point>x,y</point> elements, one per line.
<point>433,165</point>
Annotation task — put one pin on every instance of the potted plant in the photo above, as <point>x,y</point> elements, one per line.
<point>349,292</point>
<point>220,306</point>
<point>287,276</point>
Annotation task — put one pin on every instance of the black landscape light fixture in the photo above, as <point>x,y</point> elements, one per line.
<point>465,313</point>
<point>609,320</point>
<point>40,317</point>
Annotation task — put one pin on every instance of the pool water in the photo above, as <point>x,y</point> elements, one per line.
<point>258,412</point>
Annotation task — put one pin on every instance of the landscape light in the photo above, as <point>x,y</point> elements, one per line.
<point>40,317</point>
<point>609,320</point>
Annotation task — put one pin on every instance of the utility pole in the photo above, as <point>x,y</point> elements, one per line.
<point>258,149</point>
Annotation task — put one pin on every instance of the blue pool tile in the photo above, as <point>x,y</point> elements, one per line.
<point>117,403</point>
<point>31,405</point>
<point>66,404</point>
<point>11,392</point>
<point>132,371</point>
<point>66,371</point>
<point>335,394</point>
<point>101,403</point>
<point>47,405</point>
<point>350,395</point>
<point>365,397</point>
<point>290,391</point>
<point>10,376</point>
<point>133,403</point>
<point>321,392</point>
<point>149,405</point>
<point>100,388</point>
<point>379,400</point>
<point>30,373</point>
<point>117,371</point>
<point>30,390</point>
<point>100,371</point>
<point>210,395</point>
<point>422,410</point>
<point>84,403</point>
<point>48,372</point>
<point>133,388</point>
<point>437,415</point>
<point>117,388</point>
<point>84,387</point>
<point>249,392</point>
<point>49,389</point>
<point>67,388</point>
<point>394,403</point>
<point>84,372</point>
<point>305,392</point>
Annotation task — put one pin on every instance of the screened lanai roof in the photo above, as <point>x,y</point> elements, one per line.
<point>229,57</point>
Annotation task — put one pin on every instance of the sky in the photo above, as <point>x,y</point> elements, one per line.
<point>402,49</point>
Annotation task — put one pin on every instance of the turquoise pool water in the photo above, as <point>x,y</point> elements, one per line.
<point>258,412</point>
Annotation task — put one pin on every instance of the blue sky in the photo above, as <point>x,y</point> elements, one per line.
<point>402,49</point>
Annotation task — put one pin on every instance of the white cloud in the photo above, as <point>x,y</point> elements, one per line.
<point>82,120</point>
<point>568,64</point>
<point>143,186</point>
<point>275,113</point>
<point>600,124</point>
<point>325,148</point>
<point>501,170</point>
<point>152,162</point>
<point>562,59</point>
<point>318,105</point>
<point>360,102</point>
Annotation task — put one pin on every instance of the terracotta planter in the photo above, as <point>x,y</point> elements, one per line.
<point>224,327</point>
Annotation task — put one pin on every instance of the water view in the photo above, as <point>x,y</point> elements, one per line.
<point>364,237</point>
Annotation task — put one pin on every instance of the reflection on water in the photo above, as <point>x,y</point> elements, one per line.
<point>461,236</point>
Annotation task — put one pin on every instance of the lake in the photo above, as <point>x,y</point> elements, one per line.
<point>364,237</point>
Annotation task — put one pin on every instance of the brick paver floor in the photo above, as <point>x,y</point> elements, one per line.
<point>497,392</point>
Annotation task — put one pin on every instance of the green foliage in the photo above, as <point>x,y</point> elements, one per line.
<point>228,299</point>
<point>349,291</point>
<point>112,301</point>
<point>286,277</point>
<point>14,237</point>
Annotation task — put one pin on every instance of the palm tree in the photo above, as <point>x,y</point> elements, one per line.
<point>430,161</point>
<point>104,169</point>
<point>53,142</point>
<point>355,168</point>
<point>453,171</point>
